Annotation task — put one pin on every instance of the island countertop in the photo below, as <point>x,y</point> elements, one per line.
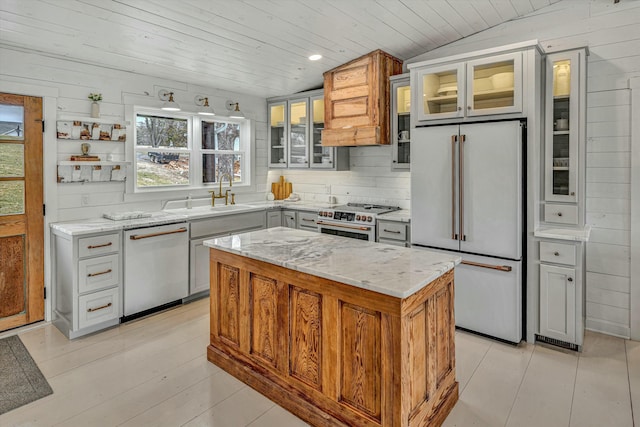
<point>389,270</point>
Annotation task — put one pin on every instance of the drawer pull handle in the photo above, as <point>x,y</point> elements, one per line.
<point>556,253</point>
<point>308,220</point>
<point>493,267</point>
<point>100,273</point>
<point>391,231</point>
<point>570,279</point>
<point>99,246</point>
<point>91,310</point>
<point>162,233</point>
<point>559,214</point>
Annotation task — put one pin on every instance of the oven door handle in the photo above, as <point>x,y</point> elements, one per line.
<point>351,227</point>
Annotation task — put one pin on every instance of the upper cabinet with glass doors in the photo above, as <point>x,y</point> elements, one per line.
<point>295,134</point>
<point>400,121</point>
<point>564,121</point>
<point>490,85</point>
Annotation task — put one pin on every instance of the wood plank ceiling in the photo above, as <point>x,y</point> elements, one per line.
<point>258,47</point>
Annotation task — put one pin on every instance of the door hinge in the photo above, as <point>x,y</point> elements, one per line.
<point>45,293</point>
<point>43,126</point>
<point>44,210</point>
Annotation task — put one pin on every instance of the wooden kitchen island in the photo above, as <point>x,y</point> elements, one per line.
<point>339,331</point>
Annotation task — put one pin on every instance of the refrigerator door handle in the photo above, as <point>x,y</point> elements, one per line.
<point>454,138</point>
<point>492,267</point>
<point>463,138</point>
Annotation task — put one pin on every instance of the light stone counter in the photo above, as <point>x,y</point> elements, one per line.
<point>572,234</point>
<point>98,225</point>
<point>402,215</point>
<point>387,269</point>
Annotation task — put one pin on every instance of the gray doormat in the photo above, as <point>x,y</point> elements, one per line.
<point>21,381</point>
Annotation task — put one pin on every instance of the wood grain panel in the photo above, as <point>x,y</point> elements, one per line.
<point>353,107</point>
<point>264,317</point>
<point>229,303</point>
<point>361,359</point>
<point>305,331</point>
<point>353,76</point>
<point>418,354</point>
<point>444,338</point>
<point>12,277</point>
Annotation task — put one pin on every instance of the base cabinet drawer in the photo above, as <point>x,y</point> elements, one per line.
<point>558,253</point>
<point>307,221</point>
<point>98,273</point>
<point>561,214</point>
<point>98,245</point>
<point>98,307</point>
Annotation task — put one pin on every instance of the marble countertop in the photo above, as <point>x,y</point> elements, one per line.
<point>98,225</point>
<point>387,269</point>
<point>403,215</point>
<point>573,234</point>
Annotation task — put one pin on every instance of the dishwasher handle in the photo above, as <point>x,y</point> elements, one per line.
<point>162,233</point>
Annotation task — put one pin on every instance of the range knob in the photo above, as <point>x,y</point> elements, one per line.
<point>357,217</point>
<point>330,214</point>
<point>369,219</point>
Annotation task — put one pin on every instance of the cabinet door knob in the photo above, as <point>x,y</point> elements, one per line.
<point>556,253</point>
<point>468,107</point>
<point>570,279</point>
<point>459,108</point>
<point>573,193</point>
<point>559,213</point>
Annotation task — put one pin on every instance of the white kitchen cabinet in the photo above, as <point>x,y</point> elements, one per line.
<point>274,218</point>
<point>209,228</point>
<point>307,220</point>
<point>400,121</point>
<point>295,134</point>
<point>486,83</point>
<point>289,219</point>
<point>393,233</point>
<point>565,114</point>
<point>87,273</point>
<point>562,306</point>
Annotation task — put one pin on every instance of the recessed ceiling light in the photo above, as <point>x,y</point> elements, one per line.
<point>315,57</point>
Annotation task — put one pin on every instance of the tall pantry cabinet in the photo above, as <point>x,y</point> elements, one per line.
<point>562,234</point>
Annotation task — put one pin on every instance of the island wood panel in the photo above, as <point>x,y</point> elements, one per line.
<point>340,351</point>
<point>229,304</point>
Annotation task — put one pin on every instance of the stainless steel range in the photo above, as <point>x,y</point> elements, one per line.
<point>354,220</point>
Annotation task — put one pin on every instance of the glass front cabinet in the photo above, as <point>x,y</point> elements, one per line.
<point>564,122</point>
<point>485,86</point>
<point>295,134</point>
<point>400,121</point>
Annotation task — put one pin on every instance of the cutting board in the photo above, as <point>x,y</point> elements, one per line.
<point>281,189</point>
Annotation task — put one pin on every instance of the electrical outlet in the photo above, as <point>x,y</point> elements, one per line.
<point>84,200</point>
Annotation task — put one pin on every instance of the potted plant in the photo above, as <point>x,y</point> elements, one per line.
<point>95,107</point>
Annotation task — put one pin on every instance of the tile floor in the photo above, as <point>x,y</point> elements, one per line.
<point>154,372</point>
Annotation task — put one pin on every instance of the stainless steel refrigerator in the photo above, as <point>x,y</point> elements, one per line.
<point>467,198</point>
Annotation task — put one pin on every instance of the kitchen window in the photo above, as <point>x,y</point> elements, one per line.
<point>184,151</point>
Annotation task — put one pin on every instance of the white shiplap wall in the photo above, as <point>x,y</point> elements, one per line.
<point>612,33</point>
<point>74,81</point>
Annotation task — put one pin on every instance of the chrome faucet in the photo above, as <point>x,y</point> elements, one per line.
<point>224,196</point>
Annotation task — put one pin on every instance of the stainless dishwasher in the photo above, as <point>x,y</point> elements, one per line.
<point>156,268</point>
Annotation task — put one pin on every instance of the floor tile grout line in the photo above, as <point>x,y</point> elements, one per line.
<point>219,402</point>
<point>524,374</point>
<point>475,369</point>
<point>130,389</point>
<point>626,358</point>
<point>106,356</point>
<point>575,381</point>
<point>261,415</point>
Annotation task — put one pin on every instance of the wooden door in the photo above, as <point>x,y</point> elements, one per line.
<point>21,211</point>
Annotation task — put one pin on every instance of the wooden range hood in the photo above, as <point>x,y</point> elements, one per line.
<point>356,101</point>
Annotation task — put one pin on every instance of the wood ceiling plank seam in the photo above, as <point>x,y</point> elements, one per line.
<point>505,9</point>
<point>408,19</point>
<point>522,7</point>
<point>470,15</point>
<point>9,17</point>
<point>372,23</point>
<point>539,4</point>
<point>488,13</point>
<point>316,23</point>
<point>166,27</point>
<point>425,19</point>
<point>448,13</point>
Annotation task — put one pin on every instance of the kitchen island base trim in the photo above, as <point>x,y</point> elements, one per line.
<point>334,354</point>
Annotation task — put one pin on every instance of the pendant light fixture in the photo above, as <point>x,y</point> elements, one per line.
<point>169,104</point>
<point>234,107</point>
<point>206,110</point>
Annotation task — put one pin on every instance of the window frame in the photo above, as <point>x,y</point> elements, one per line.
<point>194,150</point>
